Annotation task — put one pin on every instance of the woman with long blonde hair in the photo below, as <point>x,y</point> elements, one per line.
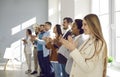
<point>90,59</point>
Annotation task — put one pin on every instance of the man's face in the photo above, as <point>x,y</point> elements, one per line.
<point>37,29</point>
<point>65,24</point>
<point>47,27</point>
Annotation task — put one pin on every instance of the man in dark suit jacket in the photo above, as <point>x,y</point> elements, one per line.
<point>62,52</point>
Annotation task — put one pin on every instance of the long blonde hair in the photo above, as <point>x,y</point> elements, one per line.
<point>95,28</point>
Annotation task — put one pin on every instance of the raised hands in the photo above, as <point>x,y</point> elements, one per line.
<point>69,44</point>
<point>47,39</point>
<point>33,38</point>
<point>24,41</point>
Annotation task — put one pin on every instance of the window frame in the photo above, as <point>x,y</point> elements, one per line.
<point>112,28</point>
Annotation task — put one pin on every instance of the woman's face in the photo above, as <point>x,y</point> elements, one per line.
<point>54,30</point>
<point>75,30</point>
<point>65,24</point>
<point>27,34</point>
<point>85,27</point>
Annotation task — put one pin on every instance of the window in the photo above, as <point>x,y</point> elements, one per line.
<point>117,22</point>
<point>109,14</point>
<point>103,6</point>
<point>100,7</point>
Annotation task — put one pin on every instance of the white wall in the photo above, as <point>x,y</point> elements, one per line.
<point>82,8</point>
<point>70,8</point>
<point>14,16</point>
<point>67,8</point>
<point>54,11</point>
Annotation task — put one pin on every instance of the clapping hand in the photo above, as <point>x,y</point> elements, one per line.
<point>33,38</point>
<point>69,44</point>
<point>47,39</point>
<point>24,41</point>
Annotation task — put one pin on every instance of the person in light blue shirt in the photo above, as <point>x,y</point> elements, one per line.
<point>40,50</point>
<point>48,69</point>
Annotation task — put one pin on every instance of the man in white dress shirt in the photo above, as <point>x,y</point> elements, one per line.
<point>63,52</point>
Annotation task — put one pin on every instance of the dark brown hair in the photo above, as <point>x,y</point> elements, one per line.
<point>79,25</point>
<point>58,28</point>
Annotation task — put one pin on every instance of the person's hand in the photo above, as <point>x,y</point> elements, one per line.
<point>24,41</point>
<point>69,44</point>
<point>60,37</point>
<point>47,39</point>
<point>33,38</point>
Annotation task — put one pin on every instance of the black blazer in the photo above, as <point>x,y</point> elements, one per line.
<point>67,34</point>
<point>62,59</point>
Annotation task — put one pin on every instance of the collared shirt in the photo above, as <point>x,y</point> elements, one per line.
<point>78,41</point>
<point>28,46</point>
<point>63,52</point>
<point>40,46</point>
<point>40,41</point>
<point>65,32</point>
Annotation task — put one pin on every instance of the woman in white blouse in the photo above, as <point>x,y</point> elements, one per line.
<point>28,49</point>
<point>90,59</point>
<point>77,34</point>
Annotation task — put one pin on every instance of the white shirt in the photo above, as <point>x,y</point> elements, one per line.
<point>78,40</point>
<point>62,50</point>
<point>28,46</point>
<point>46,51</point>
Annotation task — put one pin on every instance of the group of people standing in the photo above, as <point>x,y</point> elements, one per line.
<point>68,54</point>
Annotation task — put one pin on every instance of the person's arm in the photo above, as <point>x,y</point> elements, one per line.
<point>79,59</point>
<point>88,65</point>
<point>50,44</point>
<point>40,41</point>
<point>57,43</point>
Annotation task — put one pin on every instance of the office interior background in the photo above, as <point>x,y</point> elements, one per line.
<point>18,15</point>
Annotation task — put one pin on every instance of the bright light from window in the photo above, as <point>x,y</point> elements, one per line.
<point>104,19</point>
<point>117,5</point>
<point>28,23</point>
<point>118,24</point>
<point>23,26</point>
<point>16,29</point>
<point>118,49</point>
<point>95,6</point>
<point>51,12</point>
<point>16,49</point>
<point>104,6</point>
<point>117,36</point>
<point>17,46</point>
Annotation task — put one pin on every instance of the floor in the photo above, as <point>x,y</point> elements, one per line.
<point>19,71</point>
<point>15,70</point>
